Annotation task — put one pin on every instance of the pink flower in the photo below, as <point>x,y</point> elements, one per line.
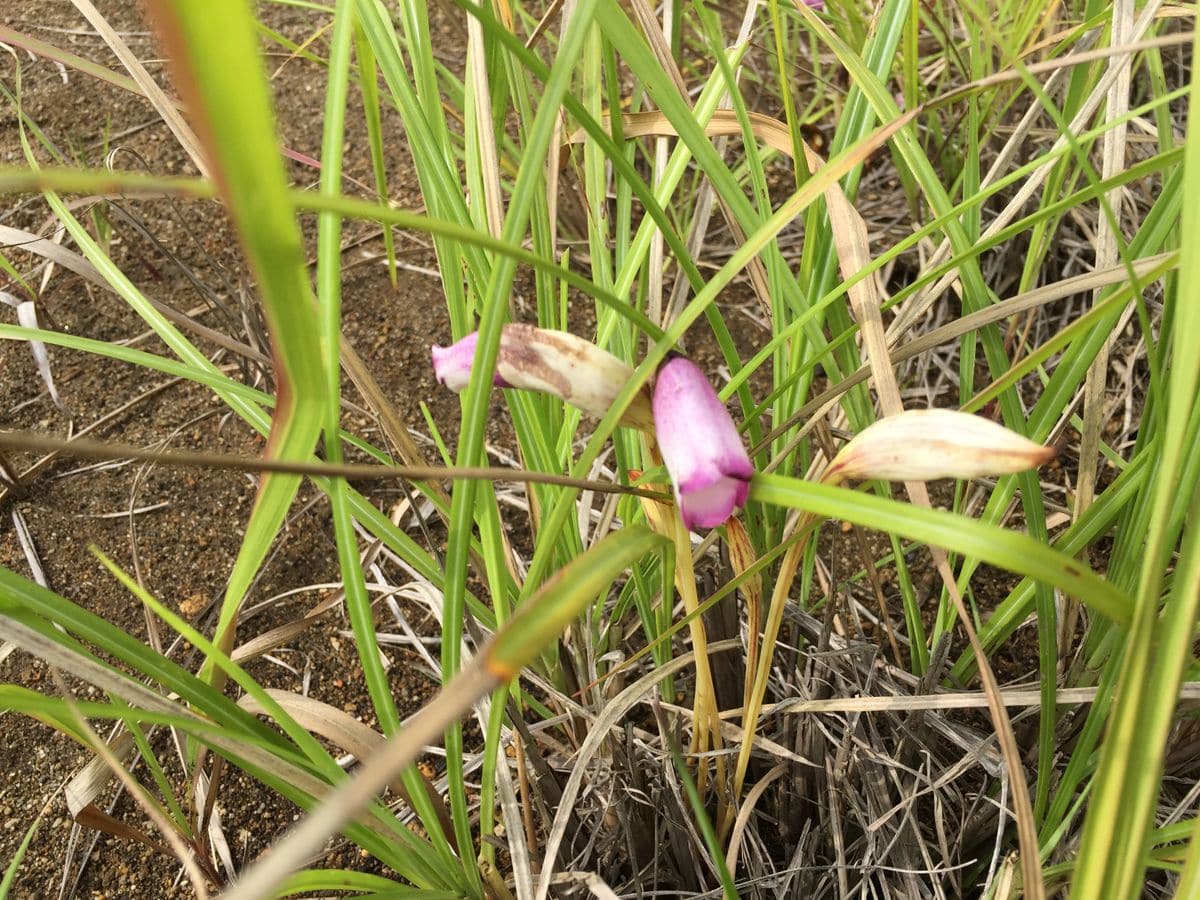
<point>700,445</point>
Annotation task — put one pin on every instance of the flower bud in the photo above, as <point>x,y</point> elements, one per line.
<point>925,444</point>
<point>700,445</point>
<point>555,362</point>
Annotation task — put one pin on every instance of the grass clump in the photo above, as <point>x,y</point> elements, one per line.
<point>841,215</point>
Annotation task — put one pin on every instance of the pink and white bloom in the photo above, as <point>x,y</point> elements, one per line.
<point>700,445</point>
<point>554,362</point>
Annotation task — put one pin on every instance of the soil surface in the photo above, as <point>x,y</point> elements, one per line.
<point>178,530</point>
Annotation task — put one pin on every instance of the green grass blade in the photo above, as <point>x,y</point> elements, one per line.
<point>475,401</point>
<point>364,884</point>
<point>370,98</point>
<point>220,72</point>
<point>329,231</point>
<point>1112,852</point>
<point>1007,549</point>
<point>14,865</point>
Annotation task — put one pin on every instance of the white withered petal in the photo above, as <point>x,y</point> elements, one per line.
<point>926,444</point>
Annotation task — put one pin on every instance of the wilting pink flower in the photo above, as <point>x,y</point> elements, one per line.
<point>815,4</point>
<point>700,445</point>
<point>554,362</point>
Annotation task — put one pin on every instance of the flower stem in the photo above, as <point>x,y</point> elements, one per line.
<point>803,530</point>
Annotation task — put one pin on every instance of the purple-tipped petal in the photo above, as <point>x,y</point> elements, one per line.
<point>452,365</point>
<point>710,506</point>
<point>700,445</point>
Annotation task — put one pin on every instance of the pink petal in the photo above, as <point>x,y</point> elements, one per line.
<point>700,445</point>
<point>710,506</point>
<point>452,365</point>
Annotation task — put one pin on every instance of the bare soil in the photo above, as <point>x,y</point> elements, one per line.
<point>185,526</point>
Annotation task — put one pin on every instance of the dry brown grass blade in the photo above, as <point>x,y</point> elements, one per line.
<point>76,263</point>
<point>518,818</point>
<point>51,251</point>
<point>299,50</point>
<point>277,637</point>
<point>139,696</point>
<point>659,38</point>
<point>28,548</point>
<point>37,47</point>
<point>105,450</point>
<point>353,364</point>
<point>29,475</point>
<point>397,432</point>
<point>850,239</point>
<point>659,43</point>
<point>420,730</point>
<point>88,783</point>
<point>485,133</point>
<point>163,105</point>
<point>10,483</point>
<point>389,418</point>
<point>851,234</point>
<point>664,519</point>
<point>612,713</point>
<point>724,122</point>
<point>744,812</point>
<point>800,531</point>
<point>853,248</point>
<point>543,23</point>
<point>1020,201</point>
<point>1123,50</point>
<point>27,317</point>
<point>356,738</point>
<point>656,38</point>
<point>92,816</point>
<point>771,132</point>
<point>176,846</point>
<point>1023,697</point>
<point>774,133</point>
<point>738,735</point>
<point>1095,399</point>
<point>742,558</point>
